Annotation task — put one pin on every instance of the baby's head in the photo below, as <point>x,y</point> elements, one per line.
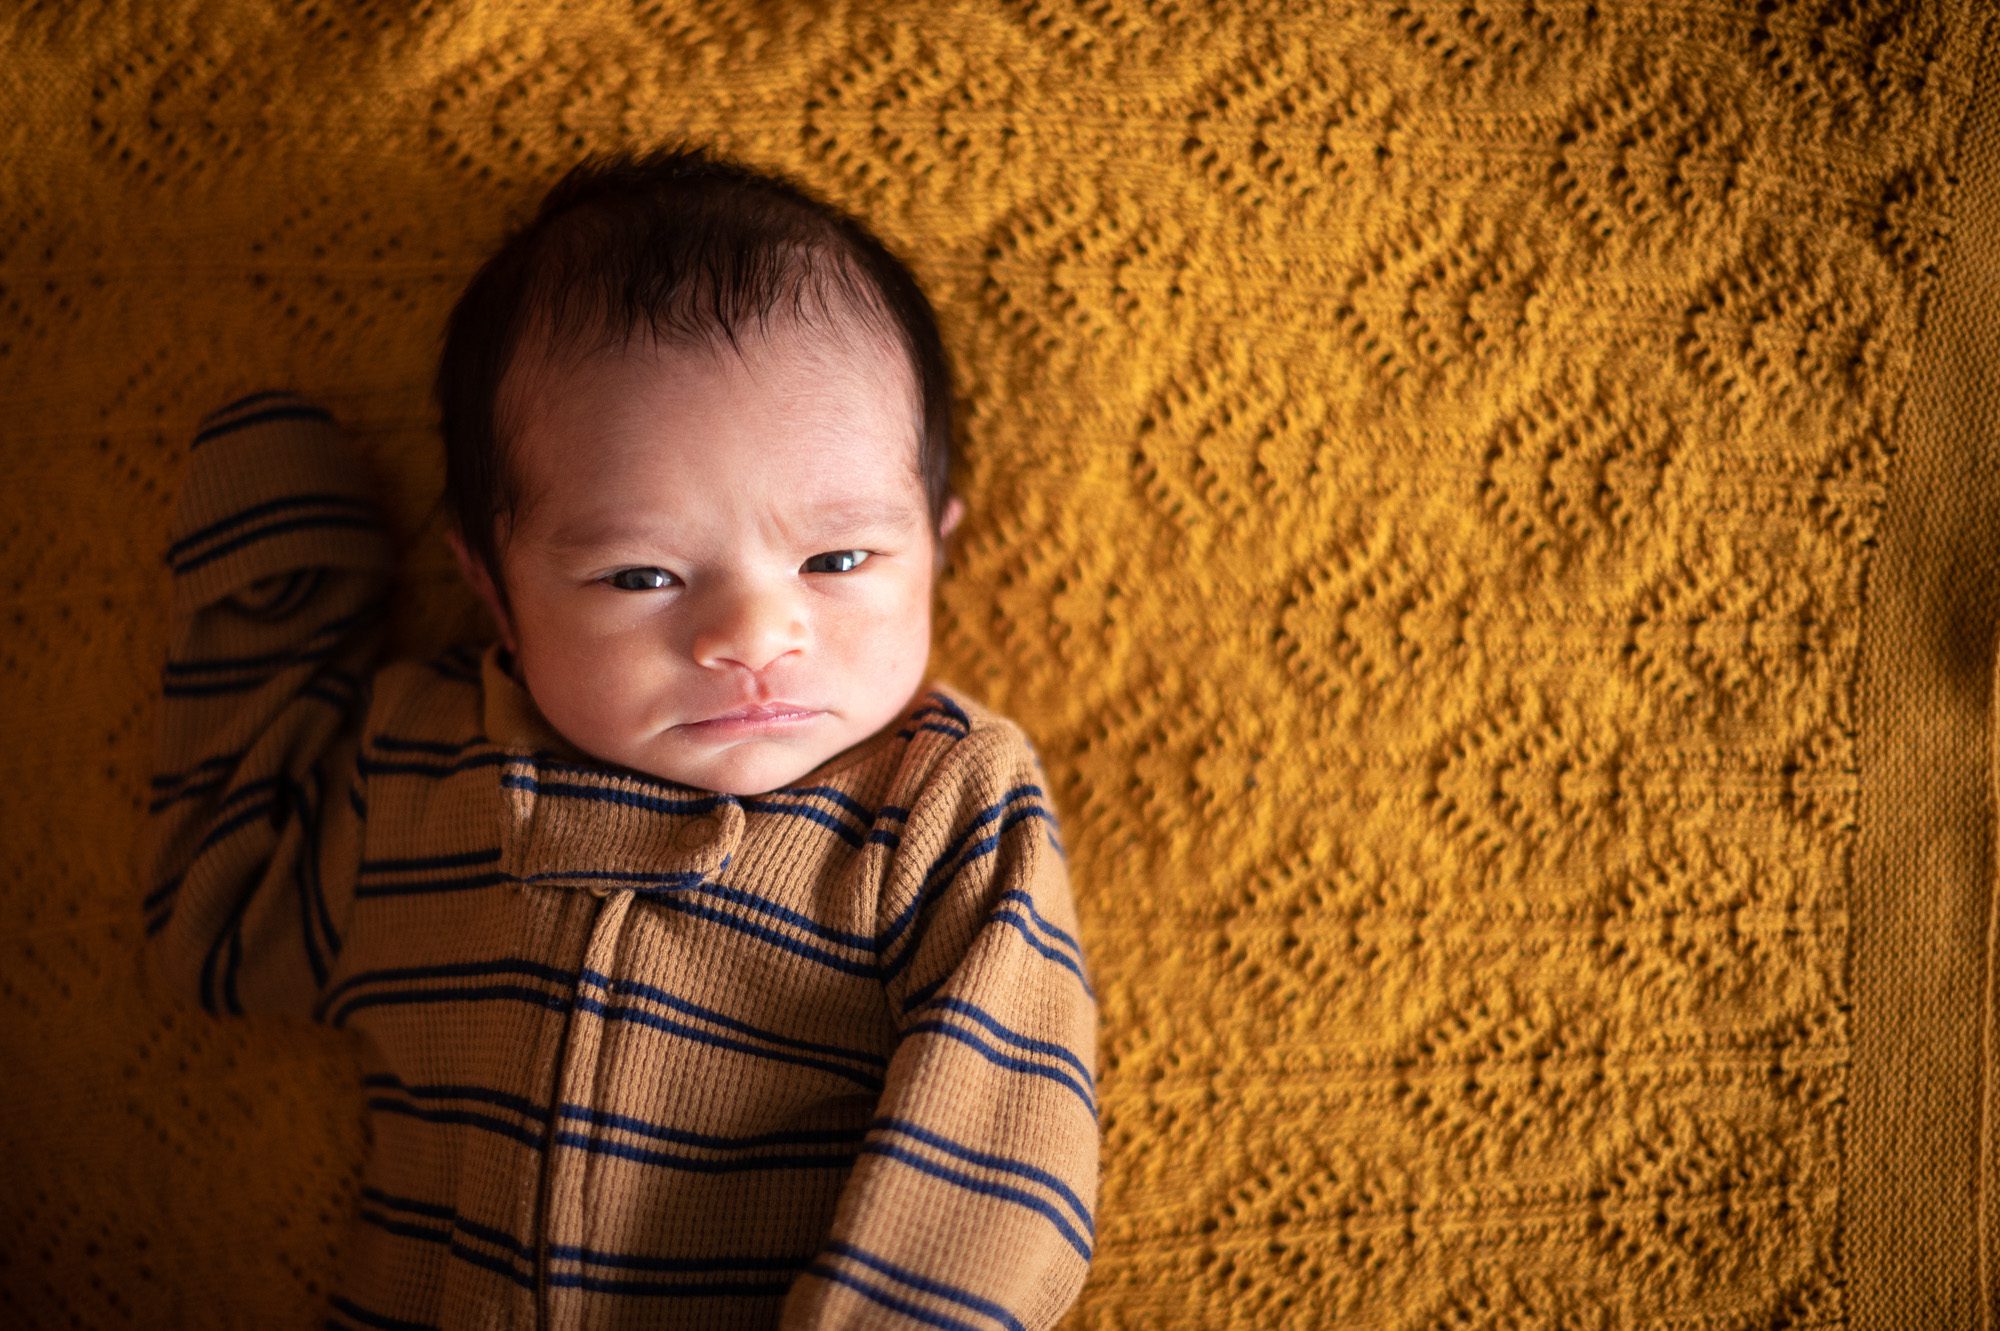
<point>697,433</point>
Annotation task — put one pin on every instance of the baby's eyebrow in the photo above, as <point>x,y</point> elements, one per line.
<point>866,514</point>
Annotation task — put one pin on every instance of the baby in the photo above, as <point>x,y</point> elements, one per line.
<point>713,965</point>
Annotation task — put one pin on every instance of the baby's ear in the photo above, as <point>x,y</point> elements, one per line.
<point>954,510</point>
<point>476,575</point>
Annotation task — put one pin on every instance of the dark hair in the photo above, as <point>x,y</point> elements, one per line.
<point>689,247</point>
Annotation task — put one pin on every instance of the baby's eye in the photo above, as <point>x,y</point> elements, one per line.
<point>836,561</point>
<point>640,579</point>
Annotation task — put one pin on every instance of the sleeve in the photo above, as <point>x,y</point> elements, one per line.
<point>972,1202</point>
<point>280,568</point>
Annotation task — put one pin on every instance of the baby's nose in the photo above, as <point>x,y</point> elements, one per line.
<point>754,630</point>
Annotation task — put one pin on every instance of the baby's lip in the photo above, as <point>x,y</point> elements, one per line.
<point>761,712</point>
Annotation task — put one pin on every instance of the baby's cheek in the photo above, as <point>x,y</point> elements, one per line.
<point>877,649</point>
<point>593,675</point>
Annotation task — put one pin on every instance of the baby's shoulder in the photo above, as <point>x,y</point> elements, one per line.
<point>432,700</point>
<point>957,744</point>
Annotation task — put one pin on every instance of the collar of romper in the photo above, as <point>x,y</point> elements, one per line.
<point>512,721</point>
<point>697,834</point>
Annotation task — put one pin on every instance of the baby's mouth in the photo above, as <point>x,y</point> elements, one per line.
<point>763,716</point>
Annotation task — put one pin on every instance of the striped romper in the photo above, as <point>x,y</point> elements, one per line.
<point>633,1053</point>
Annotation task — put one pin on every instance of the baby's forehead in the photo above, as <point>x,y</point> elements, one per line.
<point>836,423</point>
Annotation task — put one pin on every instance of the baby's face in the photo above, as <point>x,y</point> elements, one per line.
<point>699,538</point>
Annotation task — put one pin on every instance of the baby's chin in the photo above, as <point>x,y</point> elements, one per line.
<point>749,767</point>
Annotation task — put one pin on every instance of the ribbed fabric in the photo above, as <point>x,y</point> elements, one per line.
<point>635,1054</point>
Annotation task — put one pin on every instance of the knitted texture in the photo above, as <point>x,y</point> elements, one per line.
<point>1427,468</point>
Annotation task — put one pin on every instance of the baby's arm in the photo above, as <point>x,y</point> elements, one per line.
<point>972,1201</point>
<point>280,568</point>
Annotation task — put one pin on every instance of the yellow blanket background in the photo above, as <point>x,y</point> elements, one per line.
<point>1484,507</point>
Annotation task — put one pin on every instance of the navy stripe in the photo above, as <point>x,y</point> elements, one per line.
<point>417,767</point>
<point>1000,1060</point>
<point>481,1095</point>
<point>827,959</point>
<point>220,761</point>
<point>492,1263</point>
<point>765,906</point>
<point>992,811</point>
<point>910,732</point>
<point>911,1278</point>
<point>365,521</point>
<point>917,716</point>
<point>516,1254</point>
<point>456,861</point>
<point>310,499</point>
<point>459,1117</point>
<point>311,909</point>
<point>224,957</point>
<point>654,881</point>
<point>266,395</point>
<point>1046,1047</point>
<point>570,1252</point>
<point>405,887</point>
<point>628,1012</point>
<point>519,1254</point>
<point>451,970</point>
<point>917,1280</point>
<point>623,1012</point>
<point>219,831</point>
<point>340,1004</point>
<point>1036,1173</point>
<point>985,1188</point>
<point>1028,903</point>
<point>403,1229</point>
<point>476,993</point>
<point>296,656</point>
<point>458,1091</point>
<point>328,930</point>
<point>638,989</point>
<point>955,856</point>
<point>626,1123</point>
<point>433,1210</point>
<point>522,781</point>
<point>362,1315</point>
<point>810,814</point>
<point>956,712</point>
<point>207,787</point>
<point>276,413</point>
<point>843,1160</point>
<point>841,798</point>
<point>1020,926</point>
<point>703,1289</point>
<point>528,779</point>
<point>1008,917</point>
<point>788,802</point>
<point>161,893</point>
<point>331,631</point>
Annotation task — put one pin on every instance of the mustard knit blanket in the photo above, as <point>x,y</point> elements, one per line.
<point>1487,511</point>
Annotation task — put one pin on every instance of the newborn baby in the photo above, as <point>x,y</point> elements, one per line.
<point>714,965</point>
